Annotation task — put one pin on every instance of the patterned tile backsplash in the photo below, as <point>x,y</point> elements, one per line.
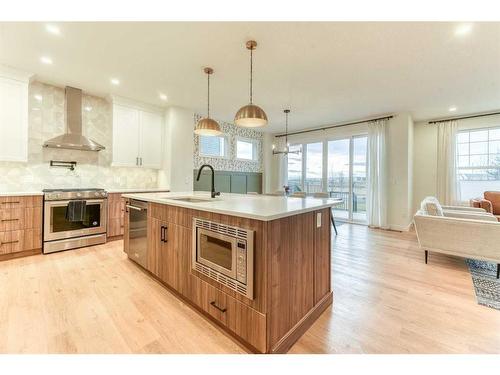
<point>46,120</point>
<point>231,163</point>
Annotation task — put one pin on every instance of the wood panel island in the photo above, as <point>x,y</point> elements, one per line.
<point>201,249</point>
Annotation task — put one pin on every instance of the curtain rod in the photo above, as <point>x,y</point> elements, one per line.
<point>464,117</point>
<point>336,126</point>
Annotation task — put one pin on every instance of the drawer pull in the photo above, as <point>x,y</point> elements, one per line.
<point>9,219</point>
<point>5,243</point>
<point>217,307</point>
<point>17,202</point>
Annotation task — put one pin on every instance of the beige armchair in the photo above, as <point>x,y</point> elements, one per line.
<point>464,233</point>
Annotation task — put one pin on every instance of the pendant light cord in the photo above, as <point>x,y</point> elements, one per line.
<point>286,131</point>
<point>251,76</point>
<point>208,96</point>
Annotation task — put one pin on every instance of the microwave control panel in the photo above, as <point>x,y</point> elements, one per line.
<point>241,261</point>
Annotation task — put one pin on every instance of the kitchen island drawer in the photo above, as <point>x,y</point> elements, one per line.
<point>245,322</point>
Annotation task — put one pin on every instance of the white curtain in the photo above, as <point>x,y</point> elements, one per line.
<point>377,174</point>
<point>448,188</point>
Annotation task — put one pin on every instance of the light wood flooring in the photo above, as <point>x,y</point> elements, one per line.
<point>386,300</point>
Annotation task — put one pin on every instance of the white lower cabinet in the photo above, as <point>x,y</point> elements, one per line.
<point>137,137</point>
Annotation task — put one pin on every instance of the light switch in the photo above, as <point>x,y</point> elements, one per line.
<point>318,220</point>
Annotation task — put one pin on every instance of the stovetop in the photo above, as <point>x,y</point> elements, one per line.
<point>71,189</point>
<point>74,194</point>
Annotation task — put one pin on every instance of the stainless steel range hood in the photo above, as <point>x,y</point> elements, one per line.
<point>73,139</point>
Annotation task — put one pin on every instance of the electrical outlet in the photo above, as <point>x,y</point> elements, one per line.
<point>318,220</point>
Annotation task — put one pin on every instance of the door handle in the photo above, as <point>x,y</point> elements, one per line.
<point>163,233</point>
<point>217,307</point>
<point>134,207</point>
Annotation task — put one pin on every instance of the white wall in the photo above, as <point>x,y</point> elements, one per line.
<point>425,154</point>
<point>400,163</point>
<point>177,172</point>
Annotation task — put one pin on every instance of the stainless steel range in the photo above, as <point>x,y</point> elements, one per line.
<point>73,218</point>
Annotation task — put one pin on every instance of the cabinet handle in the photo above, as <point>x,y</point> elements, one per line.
<point>9,219</point>
<point>5,243</point>
<point>16,202</point>
<point>161,234</point>
<point>217,307</point>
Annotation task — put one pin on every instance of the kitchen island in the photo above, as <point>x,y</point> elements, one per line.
<point>258,266</point>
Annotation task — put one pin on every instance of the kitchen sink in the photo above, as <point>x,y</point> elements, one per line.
<point>194,199</point>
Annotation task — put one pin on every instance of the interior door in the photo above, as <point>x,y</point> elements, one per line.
<point>150,139</point>
<point>125,136</point>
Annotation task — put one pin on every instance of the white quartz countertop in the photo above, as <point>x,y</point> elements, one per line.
<point>259,207</point>
<point>19,193</point>
<point>127,190</point>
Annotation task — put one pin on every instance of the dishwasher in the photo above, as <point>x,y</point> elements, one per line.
<point>138,231</point>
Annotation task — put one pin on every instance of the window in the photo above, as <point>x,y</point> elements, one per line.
<point>213,146</point>
<point>478,153</point>
<point>246,149</point>
<point>294,170</point>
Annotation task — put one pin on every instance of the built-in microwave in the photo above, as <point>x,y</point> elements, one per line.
<point>225,254</point>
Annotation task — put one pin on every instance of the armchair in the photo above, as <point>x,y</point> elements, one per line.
<point>468,234</point>
<point>490,203</point>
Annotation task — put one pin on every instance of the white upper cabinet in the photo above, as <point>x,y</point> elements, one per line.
<point>137,136</point>
<point>13,116</point>
<point>150,145</point>
<point>125,136</point>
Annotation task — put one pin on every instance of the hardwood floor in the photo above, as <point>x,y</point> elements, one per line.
<point>386,300</point>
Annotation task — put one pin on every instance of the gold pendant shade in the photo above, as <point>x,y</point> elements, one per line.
<point>251,115</point>
<point>207,126</point>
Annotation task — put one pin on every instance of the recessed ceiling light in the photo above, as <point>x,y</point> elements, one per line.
<point>46,60</point>
<point>38,97</point>
<point>115,81</point>
<point>88,108</point>
<point>463,29</point>
<point>53,29</point>
<point>452,109</point>
<point>163,97</point>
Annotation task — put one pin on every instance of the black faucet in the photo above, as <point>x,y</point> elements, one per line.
<point>213,193</point>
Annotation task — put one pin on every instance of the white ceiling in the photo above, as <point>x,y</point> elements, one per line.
<point>325,72</point>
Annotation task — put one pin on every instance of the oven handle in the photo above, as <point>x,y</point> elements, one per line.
<point>65,202</point>
<point>135,208</point>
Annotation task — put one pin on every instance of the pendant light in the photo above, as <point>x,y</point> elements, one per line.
<point>286,150</point>
<point>207,126</point>
<point>251,115</point>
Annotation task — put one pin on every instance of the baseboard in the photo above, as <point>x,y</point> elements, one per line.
<point>401,228</point>
<point>114,238</point>
<point>20,254</point>
<point>302,326</point>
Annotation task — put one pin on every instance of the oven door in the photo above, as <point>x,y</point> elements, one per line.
<point>57,227</point>
<point>217,251</point>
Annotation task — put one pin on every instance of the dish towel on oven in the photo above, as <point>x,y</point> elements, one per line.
<point>76,210</point>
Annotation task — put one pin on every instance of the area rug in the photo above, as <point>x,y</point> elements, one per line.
<point>486,284</point>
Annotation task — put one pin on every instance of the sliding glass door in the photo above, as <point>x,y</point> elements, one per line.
<point>338,167</point>
<point>347,178</point>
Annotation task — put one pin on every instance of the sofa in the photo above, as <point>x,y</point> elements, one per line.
<point>490,203</point>
<point>467,232</point>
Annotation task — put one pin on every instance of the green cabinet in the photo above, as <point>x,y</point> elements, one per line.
<point>229,182</point>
